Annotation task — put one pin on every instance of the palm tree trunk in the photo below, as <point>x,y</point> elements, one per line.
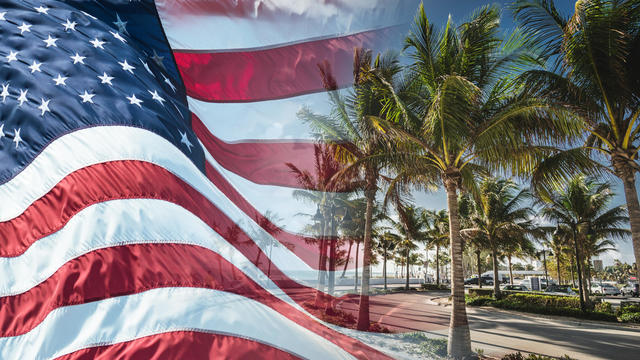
<point>631,196</point>
<point>384,268</point>
<point>573,275</point>
<point>496,282</point>
<point>426,263</point>
<point>479,269</point>
<point>370,195</point>
<point>459,345</point>
<point>344,270</point>
<point>510,271</point>
<point>355,285</point>
<point>438,265</point>
<point>322,263</point>
<point>407,261</point>
<point>332,254</point>
<point>579,266</point>
<point>558,268</point>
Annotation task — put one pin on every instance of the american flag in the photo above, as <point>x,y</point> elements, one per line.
<point>144,150</point>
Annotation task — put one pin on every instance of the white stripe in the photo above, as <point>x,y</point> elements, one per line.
<point>132,221</point>
<point>263,120</point>
<point>188,25</point>
<point>96,145</point>
<point>158,311</point>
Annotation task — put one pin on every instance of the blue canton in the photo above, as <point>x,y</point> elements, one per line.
<point>68,65</point>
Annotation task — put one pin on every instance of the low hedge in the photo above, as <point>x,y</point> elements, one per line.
<point>543,304</point>
<point>630,317</point>
<point>434,287</point>
<point>480,292</point>
<point>628,307</point>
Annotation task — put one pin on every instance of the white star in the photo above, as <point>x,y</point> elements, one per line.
<point>86,97</point>
<point>69,25</point>
<point>117,36</point>
<point>50,41</point>
<point>24,27</point>
<point>23,96</point>
<point>78,59</point>
<point>35,67</point>
<point>1,131</point>
<point>5,92</point>
<point>126,66</point>
<point>12,56</point>
<point>146,66</point>
<point>60,80</point>
<point>97,43</point>
<point>106,79</point>
<point>42,10</point>
<point>44,107</point>
<point>185,140</point>
<point>122,25</point>
<point>157,97</point>
<point>134,101</point>
<point>166,79</point>
<point>2,14</point>
<point>16,137</point>
<point>158,59</point>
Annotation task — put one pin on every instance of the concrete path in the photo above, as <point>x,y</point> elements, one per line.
<point>498,332</point>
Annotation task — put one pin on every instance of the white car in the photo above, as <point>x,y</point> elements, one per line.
<point>605,289</point>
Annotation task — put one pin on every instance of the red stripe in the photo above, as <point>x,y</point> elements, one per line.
<point>130,269</point>
<point>123,180</point>
<point>130,179</point>
<point>275,73</point>
<point>182,345</point>
<point>296,164</point>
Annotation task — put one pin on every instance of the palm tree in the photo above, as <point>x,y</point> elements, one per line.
<point>464,117</point>
<point>411,229</point>
<point>558,243</point>
<point>582,208</point>
<point>387,243</point>
<point>519,246</point>
<point>357,143</point>
<point>594,68</point>
<point>437,223</point>
<point>501,219</point>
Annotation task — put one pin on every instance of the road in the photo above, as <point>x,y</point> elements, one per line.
<point>499,332</point>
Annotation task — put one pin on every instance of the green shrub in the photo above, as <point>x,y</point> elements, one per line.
<point>628,307</point>
<point>480,292</point>
<point>630,317</point>
<point>479,300</point>
<point>519,356</point>
<point>551,305</point>
<point>604,307</point>
<point>434,287</point>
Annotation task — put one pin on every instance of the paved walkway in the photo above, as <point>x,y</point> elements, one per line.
<point>499,332</point>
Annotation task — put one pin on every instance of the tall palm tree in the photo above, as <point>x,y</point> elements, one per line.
<point>437,223</point>
<point>594,68</point>
<point>411,229</point>
<point>502,219</point>
<point>558,243</point>
<point>464,117</point>
<point>387,243</point>
<point>357,143</point>
<point>582,206</point>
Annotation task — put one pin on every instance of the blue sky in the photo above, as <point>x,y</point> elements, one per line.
<point>438,12</point>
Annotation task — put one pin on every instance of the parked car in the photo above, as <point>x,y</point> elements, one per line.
<point>631,289</point>
<point>605,289</point>
<point>474,281</point>
<point>559,290</point>
<point>515,288</point>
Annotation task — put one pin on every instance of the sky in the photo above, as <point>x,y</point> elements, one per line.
<point>438,12</point>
